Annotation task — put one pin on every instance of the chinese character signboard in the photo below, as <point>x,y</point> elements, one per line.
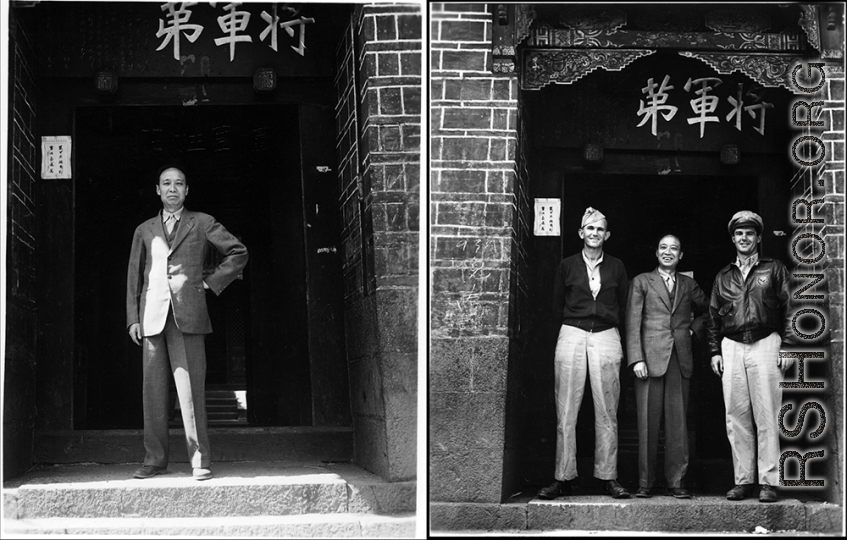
<point>672,103</point>
<point>194,39</point>
<point>547,213</point>
<point>56,157</point>
<point>232,27</point>
<point>705,105</point>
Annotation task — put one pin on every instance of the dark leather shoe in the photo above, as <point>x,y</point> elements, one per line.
<point>739,492</point>
<point>149,471</point>
<point>680,493</point>
<point>556,489</point>
<point>644,493</point>
<point>767,494</point>
<point>616,490</point>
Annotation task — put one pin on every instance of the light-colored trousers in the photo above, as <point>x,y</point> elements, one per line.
<point>598,354</point>
<point>657,397</point>
<point>184,356</point>
<point>752,398</point>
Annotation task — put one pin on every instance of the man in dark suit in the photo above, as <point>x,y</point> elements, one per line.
<point>658,339</point>
<point>167,315</point>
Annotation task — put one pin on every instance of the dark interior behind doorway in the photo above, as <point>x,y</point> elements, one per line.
<point>641,209</point>
<point>244,169</point>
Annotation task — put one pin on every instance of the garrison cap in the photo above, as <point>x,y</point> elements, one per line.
<point>591,215</point>
<point>746,218</point>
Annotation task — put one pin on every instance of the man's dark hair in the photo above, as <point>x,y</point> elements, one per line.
<point>172,164</point>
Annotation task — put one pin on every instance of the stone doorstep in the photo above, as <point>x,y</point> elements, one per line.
<point>659,514</point>
<point>237,489</point>
<point>306,525</point>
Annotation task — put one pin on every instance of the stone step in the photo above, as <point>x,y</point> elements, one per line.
<point>218,403</point>
<point>219,411</point>
<point>594,513</point>
<point>237,489</point>
<point>302,526</point>
<point>228,444</point>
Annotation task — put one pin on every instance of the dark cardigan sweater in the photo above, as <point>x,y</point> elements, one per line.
<point>572,300</point>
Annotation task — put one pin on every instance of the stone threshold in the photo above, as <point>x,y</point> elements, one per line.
<point>237,489</point>
<point>661,513</point>
<point>307,525</point>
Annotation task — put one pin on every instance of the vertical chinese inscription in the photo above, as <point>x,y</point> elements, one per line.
<point>55,157</point>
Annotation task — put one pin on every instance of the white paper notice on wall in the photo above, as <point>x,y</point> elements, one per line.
<point>547,213</point>
<point>56,157</point>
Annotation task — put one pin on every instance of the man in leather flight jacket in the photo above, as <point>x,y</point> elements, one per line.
<point>750,319</point>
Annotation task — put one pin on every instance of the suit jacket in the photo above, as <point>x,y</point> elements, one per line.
<point>161,275</point>
<point>654,324</point>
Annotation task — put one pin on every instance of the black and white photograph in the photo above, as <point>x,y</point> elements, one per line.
<point>211,269</point>
<point>422,269</point>
<point>637,268</point>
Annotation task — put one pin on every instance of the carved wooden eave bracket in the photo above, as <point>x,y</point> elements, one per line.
<point>809,23</point>
<point>544,66</point>
<point>511,27</point>
<point>824,28</point>
<point>769,70</point>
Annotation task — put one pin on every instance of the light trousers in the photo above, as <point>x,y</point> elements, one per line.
<point>182,356</point>
<point>598,355</point>
<point>752,398</point>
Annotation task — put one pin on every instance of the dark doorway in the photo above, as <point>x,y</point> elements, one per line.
<point>243,167</point>
<point>641,209</point>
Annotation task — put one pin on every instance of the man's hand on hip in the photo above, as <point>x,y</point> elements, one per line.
<point>784,363</point>
<point>640,370</point>
<point>717,364</point>
<point>135,333</point>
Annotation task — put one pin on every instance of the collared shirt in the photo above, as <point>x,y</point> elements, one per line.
<point>178,215</point>
<point>668,276</point>
<point>746,264</point>
<point>167,215</point>
<point>593,274</point>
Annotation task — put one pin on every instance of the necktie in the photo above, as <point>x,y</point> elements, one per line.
<point>169,224</point>
<point>669,283</point>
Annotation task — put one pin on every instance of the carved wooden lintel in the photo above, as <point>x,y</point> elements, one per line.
<point>736,19</point>
<point>548,37</point>
<point>593,19</point>
<point>741,39</point>
<point>541,67</point>
<point>769,70</point>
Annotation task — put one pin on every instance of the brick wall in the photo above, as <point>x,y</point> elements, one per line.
<point>831,173</point>
<point>522,326</point>
<point>472,215</point>
<point>378,114</point>
<point>825,181</point>
<point>20,353</point>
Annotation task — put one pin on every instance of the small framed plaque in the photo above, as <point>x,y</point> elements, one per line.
<point>56,157</point>
<point>547,214</point>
